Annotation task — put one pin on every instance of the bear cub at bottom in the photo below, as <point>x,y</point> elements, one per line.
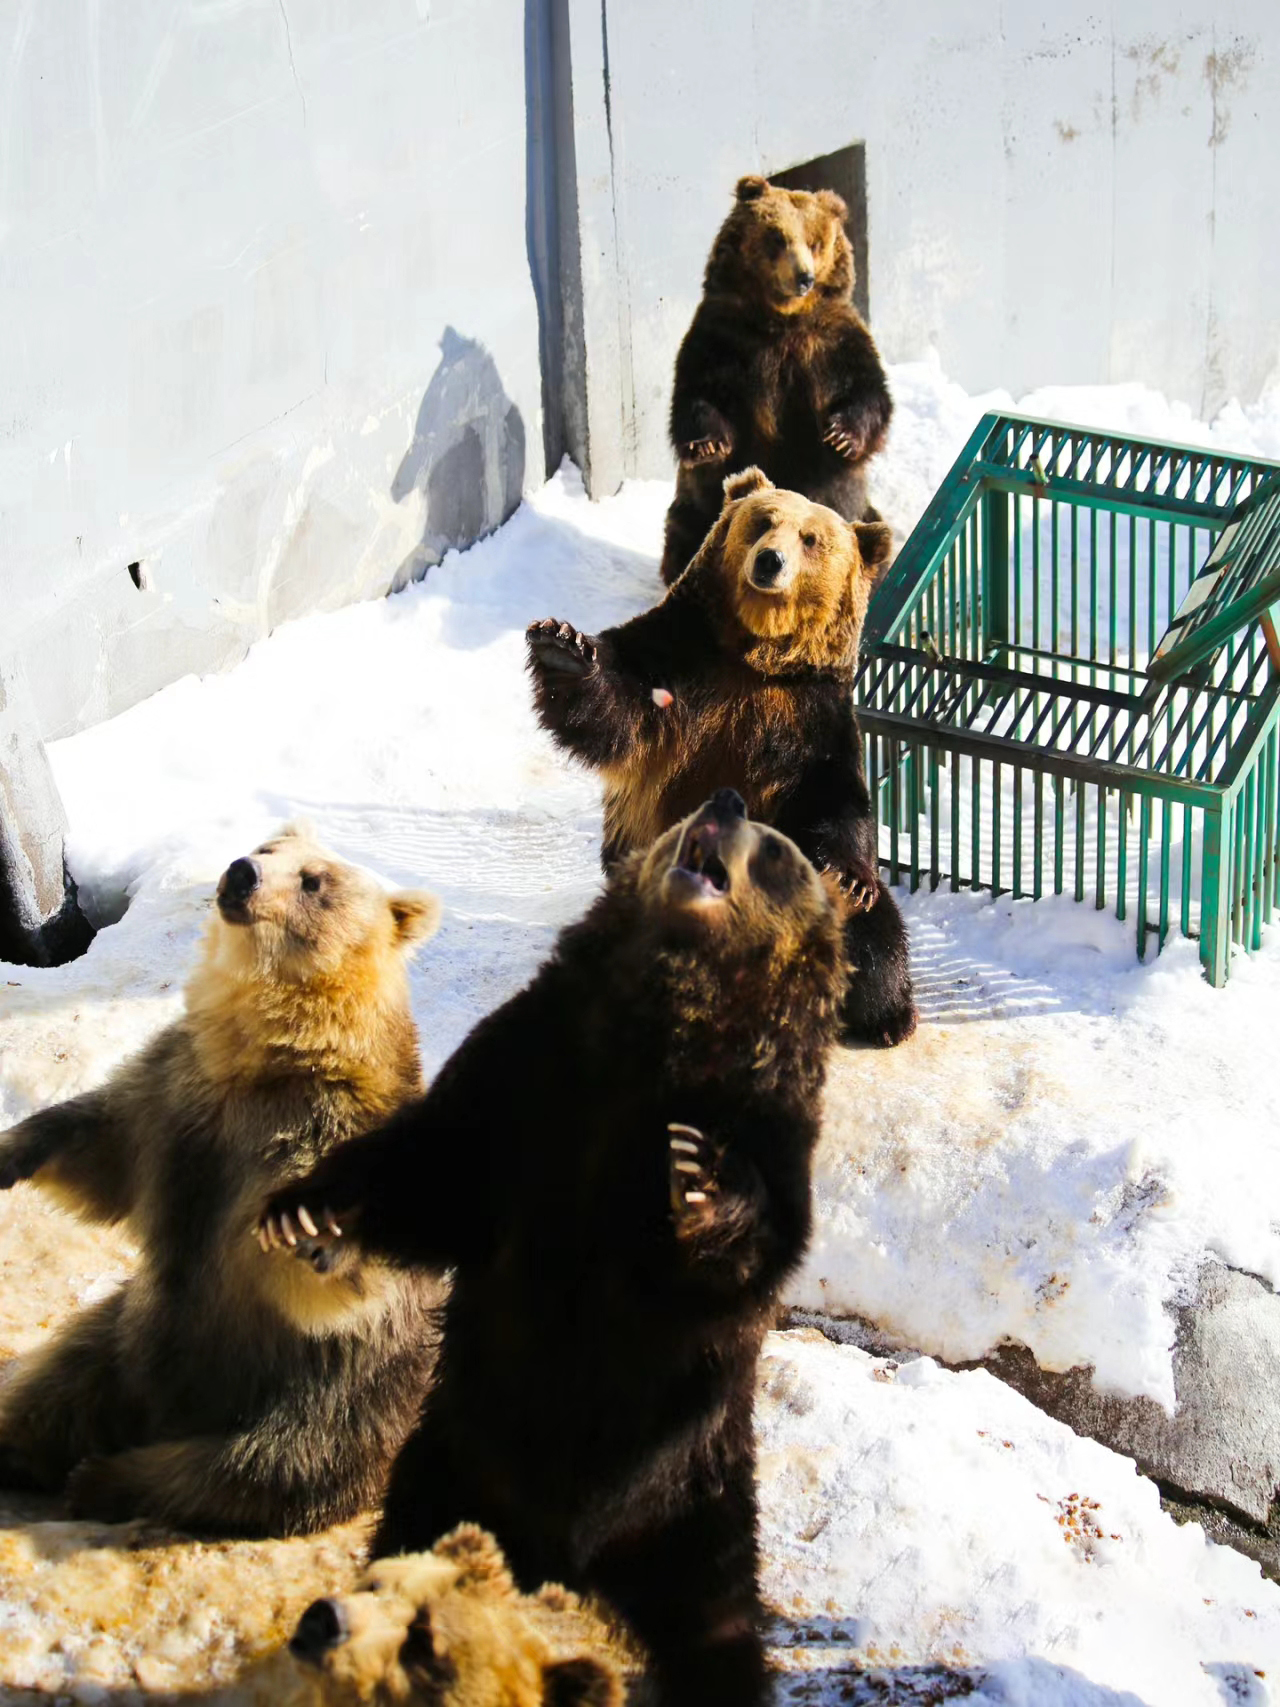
<point>745,673</point>
<point>616,1166</point>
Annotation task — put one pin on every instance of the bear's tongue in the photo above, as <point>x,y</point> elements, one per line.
<point>698,858</point>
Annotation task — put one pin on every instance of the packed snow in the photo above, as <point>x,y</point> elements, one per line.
<point>1068,1138</point>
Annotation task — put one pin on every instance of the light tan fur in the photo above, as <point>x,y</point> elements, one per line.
<point>297,1034</point>
<point>810,620</point>
<point>450,1629</point>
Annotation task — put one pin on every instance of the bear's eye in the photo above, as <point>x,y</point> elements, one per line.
<point>808,540</point>
<point>311,881</point>
<point>775,243</point>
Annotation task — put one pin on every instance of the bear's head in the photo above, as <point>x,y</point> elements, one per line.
<point>787,580</point>
<point>291,912</point>
<point>786,249</point>
<point>449,1629</point>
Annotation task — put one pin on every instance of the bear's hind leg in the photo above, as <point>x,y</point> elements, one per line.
<point>879,1005</point>
<point>688,1591</point>
<point>64,1402</point>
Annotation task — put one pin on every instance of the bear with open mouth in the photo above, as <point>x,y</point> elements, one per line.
<point>616,1166</point>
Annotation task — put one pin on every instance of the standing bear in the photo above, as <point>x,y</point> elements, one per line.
<point>745,672</point>
<point>778,370</point>
<point>615,1164</point>
<point>216,1390</point>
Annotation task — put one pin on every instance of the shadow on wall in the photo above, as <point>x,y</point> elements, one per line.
<point>467,455</point>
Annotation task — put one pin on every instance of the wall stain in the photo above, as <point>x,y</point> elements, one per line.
<point>1225,71</point>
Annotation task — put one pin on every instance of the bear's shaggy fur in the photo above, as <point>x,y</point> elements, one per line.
<point>218,1390</point>
<point>778,369</point>
<point>616,1165</point>
<point>447,1628</point>
<point>744,673</point>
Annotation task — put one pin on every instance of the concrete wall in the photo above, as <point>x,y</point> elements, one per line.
<point>268,327</point>
<point>1054,193</point>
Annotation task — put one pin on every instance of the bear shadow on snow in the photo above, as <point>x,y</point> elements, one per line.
<point>467,455</point>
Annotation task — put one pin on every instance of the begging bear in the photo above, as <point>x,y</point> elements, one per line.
<point>446,1628</point>
<point>745,670</point>
<point>778,369</point>
<point>218,1390</point>
<point>616,1164</point>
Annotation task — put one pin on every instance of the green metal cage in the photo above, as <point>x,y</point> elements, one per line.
<point>1070,682</point>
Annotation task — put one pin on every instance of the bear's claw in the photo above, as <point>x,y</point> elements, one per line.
<point>561,648</point>
<point>693,1162</point>
<point>847,442</point>
<point>860,887</point>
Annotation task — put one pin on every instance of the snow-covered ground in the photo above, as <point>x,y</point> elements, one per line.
<point>1050,1160</point>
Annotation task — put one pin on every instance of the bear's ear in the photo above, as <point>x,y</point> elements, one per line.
<point>750,188</point>
<point>297,829</point>
<point>581,1682</point>
<point>746,481</point>
<point>875,542</point>
<point>478,1558</point>
<point>415,916</point>
<point>833,204</point>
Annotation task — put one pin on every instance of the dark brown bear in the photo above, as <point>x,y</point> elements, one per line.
<point>745,671</point>
<point>778,369</point>
<point>615,1164</point>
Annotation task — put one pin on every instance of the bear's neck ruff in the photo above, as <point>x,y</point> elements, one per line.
<point>350,1027</point>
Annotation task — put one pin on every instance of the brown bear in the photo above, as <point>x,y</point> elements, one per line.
<point>448,1628</point>
<point>778,370</point>
<point>216,1389</point>
<point>745,671</point>
<point>615,1165</point>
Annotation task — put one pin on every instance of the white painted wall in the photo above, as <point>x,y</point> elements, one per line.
<point>1054,192</point>
<point>233,234</point>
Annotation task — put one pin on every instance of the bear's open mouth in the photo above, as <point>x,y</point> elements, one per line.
<point>698,862</point>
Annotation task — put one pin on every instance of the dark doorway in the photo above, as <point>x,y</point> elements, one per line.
<point>845,172</point>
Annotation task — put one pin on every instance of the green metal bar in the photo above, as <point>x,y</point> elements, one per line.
<point>1093,592</point>
<point>1144,838</point>
<point>1245,834</point>
<point>1269,855</point>
<point>934,869</point>
<point>975,822</point>
<point>1095,497</point>
<point>913,797</point>
<point>1017,832</point>
<point>1080,804</point>
<point>1122,855</point>
<point>1055,551</point>
<point>955,818</point>
<point>996,815</point>
<point>1035,569</point>
<point>1151,586</point>
<point>1111,597</point>
<point>872,743</point>
<point>1258,881</point>
<point>995,571</point>
<point>1100,864</point>
<point>1185,917</point>
<point>1239,836</point>
<point>1037,796</point>
<point>1059,812</point>
<point>1166,836</point>
<point>892,755</point>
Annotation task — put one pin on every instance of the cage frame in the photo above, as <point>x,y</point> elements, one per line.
<point>910,682</point>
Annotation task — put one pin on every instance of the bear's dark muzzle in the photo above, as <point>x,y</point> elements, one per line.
<point>766,568</point>
<point>322,1626</point>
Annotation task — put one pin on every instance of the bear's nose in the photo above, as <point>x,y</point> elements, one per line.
<point>322,1626</point>
<point>804,281</point>
<point>726,805</point>
<point>241,878</point>
<point>768,565</point>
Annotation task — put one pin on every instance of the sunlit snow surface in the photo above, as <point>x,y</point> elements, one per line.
<point>1067,1138</point>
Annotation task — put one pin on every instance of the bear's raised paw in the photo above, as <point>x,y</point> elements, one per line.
<point>694,1163</point>
<point>561,648</point>
<point>698,451</point>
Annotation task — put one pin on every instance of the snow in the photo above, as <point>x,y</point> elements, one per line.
<point>1070,1135</point>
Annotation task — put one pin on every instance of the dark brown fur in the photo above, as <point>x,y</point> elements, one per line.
<point>217,1390</point>
<point>771,375</point>
<point>616,1166</point>
<point>760,685</point>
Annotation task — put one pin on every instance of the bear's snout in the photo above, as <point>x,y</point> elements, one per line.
<point>241,878</point>
<point>804,281</point>
<point>767,567</point>
<point>324,1624</point>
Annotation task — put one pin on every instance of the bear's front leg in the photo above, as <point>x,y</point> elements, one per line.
<point>705,436</point>
<point>584,698</point>
<point>857,430</point>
